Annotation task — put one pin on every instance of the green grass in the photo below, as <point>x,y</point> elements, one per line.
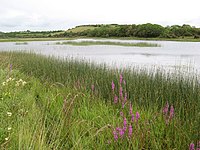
<point>64,113</point>
<point>88,43</point>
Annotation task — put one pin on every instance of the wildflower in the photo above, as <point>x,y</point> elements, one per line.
<point>131,109</point>
<point>115,135</point>
<point>132,117</point>
<point>7,139</point>
<point>121,91</point>
<point>115,99</point>
<point>113,86</point>
<point>137,116</point>
<point>125,124</point>
<point>171,112</point>
<point>9,114</point>
<point>23,83</point>
<point>122,104</point>
<point>124,82</point>
<point>120,79</point>
<point>192,146</point>
<point>4,83</point>
<point>130,130</point>
<point>121,114</point>
<point>9,128</point>
<point>121,132</point>
<point>166,108</point>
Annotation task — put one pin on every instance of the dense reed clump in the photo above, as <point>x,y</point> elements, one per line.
<point>130,108</point>
<point>88,43</point>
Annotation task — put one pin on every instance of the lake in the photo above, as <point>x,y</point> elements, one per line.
<point>171,54</point>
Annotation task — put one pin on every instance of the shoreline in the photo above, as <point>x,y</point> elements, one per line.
<point>119,38</point>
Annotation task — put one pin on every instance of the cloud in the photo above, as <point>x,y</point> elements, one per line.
<point>63,14</point>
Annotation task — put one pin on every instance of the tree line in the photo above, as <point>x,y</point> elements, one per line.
<point>142,31</point>
<point>114,30</point>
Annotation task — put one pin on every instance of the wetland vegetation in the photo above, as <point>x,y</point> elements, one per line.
<point>88,43</point>
<point>50,103</point>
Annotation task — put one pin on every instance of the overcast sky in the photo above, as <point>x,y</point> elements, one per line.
<point>63,14</point>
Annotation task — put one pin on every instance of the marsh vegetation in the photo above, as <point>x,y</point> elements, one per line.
<point>49,103</point>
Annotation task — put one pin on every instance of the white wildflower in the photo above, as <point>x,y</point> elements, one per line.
<point>7,139</point>
<point>9,114</point>
<point>9,128</point>
<point>4,83</point>
<point>23,83</point>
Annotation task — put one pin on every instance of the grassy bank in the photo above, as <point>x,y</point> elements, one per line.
<point>32,39</point>
<point>88,43</point>
<point>188,39</point>
<point>79,107</point>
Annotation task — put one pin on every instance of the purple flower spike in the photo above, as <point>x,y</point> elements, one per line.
<point>115,99</point>
<point>113,86</point>
<point>120,79</point>
<point>192,146</point>
<point>171,115</point>
<point>130,131</point>
<point>121,114</point>
<point>124,82</point>
<point>115,135</point>
<point>121,132</point>
<point>132,118</point>
<point>166,108</point>
<point>131,109</point>
<point>125,122</point>
<point>121,92</point>
<point>137,116</point>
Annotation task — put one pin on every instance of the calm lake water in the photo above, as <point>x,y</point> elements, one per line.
<point>171,54</point>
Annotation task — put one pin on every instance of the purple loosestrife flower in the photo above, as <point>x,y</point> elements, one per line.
<point>113,86</point>
<point>121,92</point>
<point>131,110</point>
<point>121,132</point>
<point>171,115</point>
<point>125,124</point>
<point>115,99</point>
<point>123,105</point>
<point>198,144</point>
<point>121,114</point>
<point>124,82</point>
<point>117,129</point>
<point>192,146</point>
<point>120,79</point>
<point>115,135</point>
<point>137,116</point>
<point>166,108</point>
<point>130,131</point>
<point>132,118</point>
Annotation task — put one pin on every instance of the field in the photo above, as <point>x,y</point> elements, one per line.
<point>46,103</point>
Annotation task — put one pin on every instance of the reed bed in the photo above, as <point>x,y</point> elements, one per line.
<point>88,43</point>
<point>166,107</point>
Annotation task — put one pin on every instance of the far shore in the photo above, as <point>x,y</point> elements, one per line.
<point>119,38</point>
